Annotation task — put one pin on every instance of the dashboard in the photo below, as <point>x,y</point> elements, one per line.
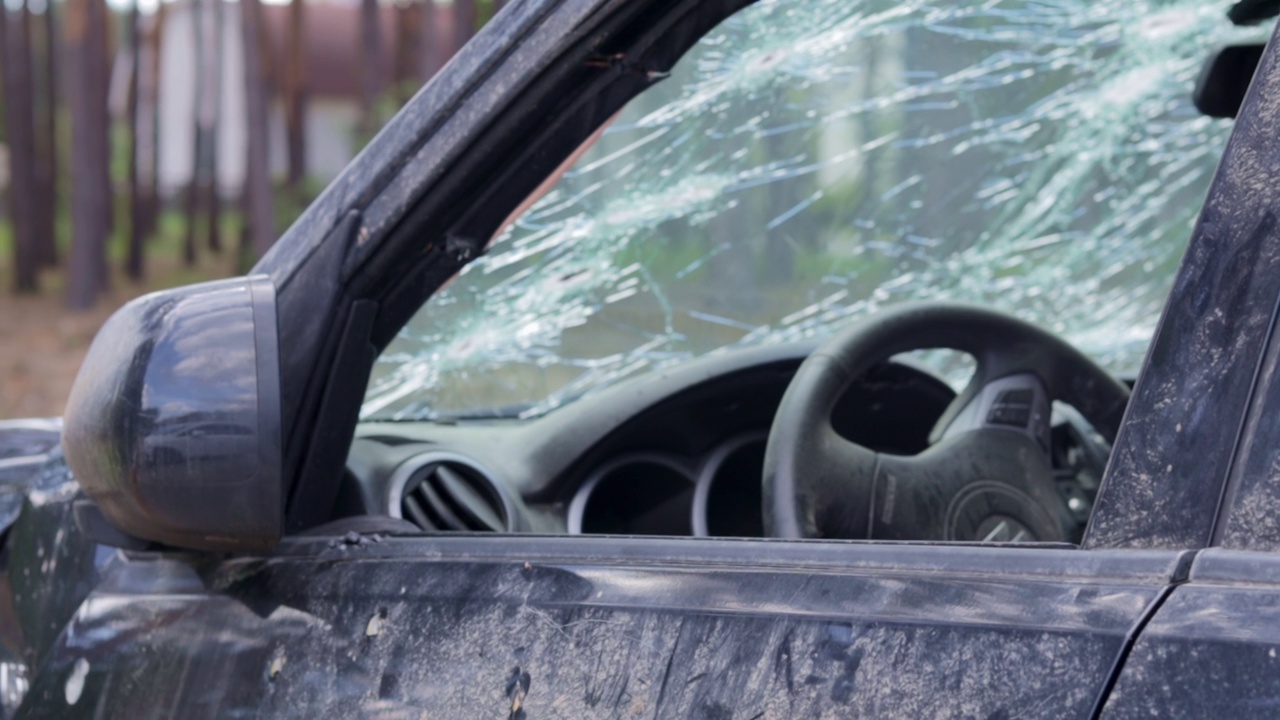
<point>676,452</point>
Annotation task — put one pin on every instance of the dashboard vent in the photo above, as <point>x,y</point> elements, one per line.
<point>453,497</point>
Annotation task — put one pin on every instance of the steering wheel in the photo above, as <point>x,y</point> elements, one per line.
<point>987,473</point>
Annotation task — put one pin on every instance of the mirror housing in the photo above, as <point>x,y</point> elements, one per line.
<point>1225,79</point>
<point>173,423</point>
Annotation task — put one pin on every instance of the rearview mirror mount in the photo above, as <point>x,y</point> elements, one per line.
<point>1225,79</point>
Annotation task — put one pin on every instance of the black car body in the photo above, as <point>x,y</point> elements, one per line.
<point>1169,605</point>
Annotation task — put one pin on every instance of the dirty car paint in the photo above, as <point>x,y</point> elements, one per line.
<point>463,627</point>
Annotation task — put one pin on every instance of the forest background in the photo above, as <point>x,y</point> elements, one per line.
<point>151,143</point>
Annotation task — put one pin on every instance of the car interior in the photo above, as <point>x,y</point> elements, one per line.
<point>676,453</point>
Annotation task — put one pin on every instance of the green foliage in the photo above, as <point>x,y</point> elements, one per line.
<point>6,241</point>
<point>485,10</point>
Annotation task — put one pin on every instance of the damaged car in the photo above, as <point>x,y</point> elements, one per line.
<point>708,359</point>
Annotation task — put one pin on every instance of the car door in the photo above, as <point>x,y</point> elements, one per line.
<point>626,627</point>
<point>540,626</point>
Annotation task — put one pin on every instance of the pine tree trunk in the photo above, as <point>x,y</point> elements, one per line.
<point>213,114</point>
<point>435,45</point>
<point>90,196</point>
<point>258,212</point>
<point>46,129</point>
<point>404,77</point>
<point>194,194</point>
<point>150,120</point>
<point>103,55</point>
<point>371,76</point>
<point>19,132</point>
<point>295,91</point>
<point>133,259</point>
<point>464,22</point>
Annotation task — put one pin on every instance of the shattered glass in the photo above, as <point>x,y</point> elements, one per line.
<point>812,161</point>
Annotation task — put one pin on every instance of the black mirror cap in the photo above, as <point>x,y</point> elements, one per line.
<point>1225,79</point>
<point>173,424</point>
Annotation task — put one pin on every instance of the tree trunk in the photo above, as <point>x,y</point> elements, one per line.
<point>371,76</point>
<point>19,133</point>
<point>103,54</point>
<point>435,45</point>
<point>133,259</point>
<point>46,128</point>
<point>195,195</point>
<point>213,116</point>
<point>404,77</point>
<point>258,212</point>
<point>464,22</point>
<point>295,91</point>
<point>149,117</point>
<point>90,196</point>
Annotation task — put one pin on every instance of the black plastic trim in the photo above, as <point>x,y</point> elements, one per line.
<point>317,486</point>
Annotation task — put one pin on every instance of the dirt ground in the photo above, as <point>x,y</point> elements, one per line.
<point>41,347</point>
<point>42,343</point>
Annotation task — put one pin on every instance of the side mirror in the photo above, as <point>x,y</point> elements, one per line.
<point>1225,79</point>
<point>173,424</point>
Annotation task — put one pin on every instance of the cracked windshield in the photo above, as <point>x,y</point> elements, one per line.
<point>809,162</point>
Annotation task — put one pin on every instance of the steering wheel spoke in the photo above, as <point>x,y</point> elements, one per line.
<point>836,500</point>
<point>1018,402</point>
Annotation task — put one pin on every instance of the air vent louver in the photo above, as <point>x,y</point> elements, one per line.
<point>453,497</point>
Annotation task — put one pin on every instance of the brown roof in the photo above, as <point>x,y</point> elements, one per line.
<point>333,59</point>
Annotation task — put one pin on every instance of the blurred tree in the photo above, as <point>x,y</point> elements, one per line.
<point>90,185</point>
<point>294,86</point>
<point>133,265</point>
<point>464,23</point>
<point>104,54</point>
<point>212,121</point>
<point>149,120</point>
<point>435,47</point>
<point>407,50</point>
<point>372,82</point>
<point>19,133</point>
<point>45,107</point>
<point>195,194</point>
<point>258,211</point>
